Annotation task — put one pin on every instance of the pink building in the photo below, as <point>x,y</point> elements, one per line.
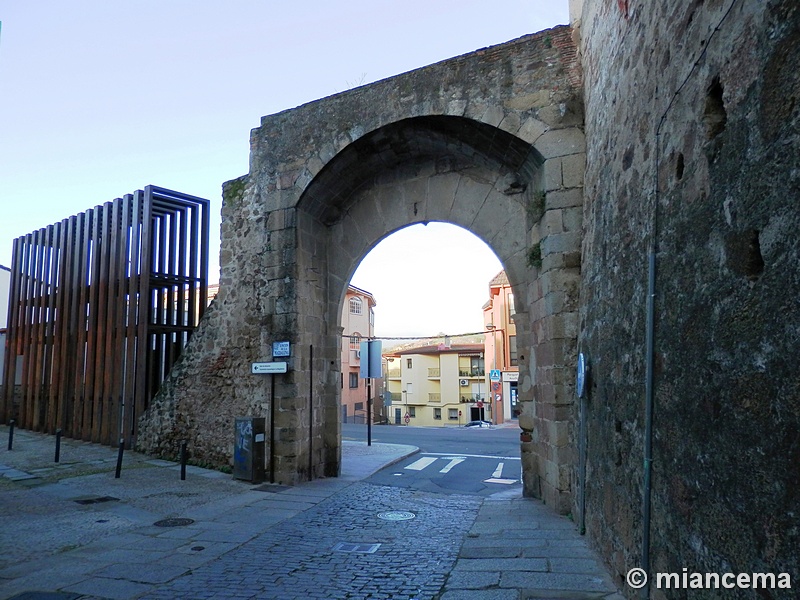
<point>358,321</point>
<point>501,348</point>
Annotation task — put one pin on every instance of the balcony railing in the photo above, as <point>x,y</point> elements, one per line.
<point>393,373</point>
<point>434,373</point>
<point>472,373</point>
<point>473,398</point>
<point>434,397</point>
<point>394,398</point>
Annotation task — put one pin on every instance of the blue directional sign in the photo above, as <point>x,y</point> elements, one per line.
<point>494,375</point>
<point>371,360</point>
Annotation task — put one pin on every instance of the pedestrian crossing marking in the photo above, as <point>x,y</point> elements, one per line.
<point>453,462</point>
<point>421,463</point>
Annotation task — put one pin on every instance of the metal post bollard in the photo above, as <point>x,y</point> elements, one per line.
<point>11,434</point>
<point>58,445</point>
<point>119,458</point>
<point>183,461</point>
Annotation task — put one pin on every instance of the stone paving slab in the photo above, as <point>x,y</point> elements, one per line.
<point>518,549</point>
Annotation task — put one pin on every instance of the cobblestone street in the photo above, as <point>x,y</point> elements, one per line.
<point>298,559</point>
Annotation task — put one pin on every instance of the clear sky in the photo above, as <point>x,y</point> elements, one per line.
<point>99,98</point>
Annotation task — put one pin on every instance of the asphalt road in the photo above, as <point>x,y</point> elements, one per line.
<point>474,461</point>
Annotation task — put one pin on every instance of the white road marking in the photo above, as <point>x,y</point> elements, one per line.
<point>453,462</point>
<point>420,464</point>
<point>450,454</point>
<point>503,481</point>
<point>498,472</point>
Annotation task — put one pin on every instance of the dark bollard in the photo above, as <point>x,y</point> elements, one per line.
<point>58,445</point>
<point>10,434</point>
<point>119,459</point>
<point>183,461</point>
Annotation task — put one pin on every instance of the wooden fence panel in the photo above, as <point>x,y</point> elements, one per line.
<point>101,305</point>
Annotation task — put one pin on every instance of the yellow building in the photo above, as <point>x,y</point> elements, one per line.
<point>436,386</point>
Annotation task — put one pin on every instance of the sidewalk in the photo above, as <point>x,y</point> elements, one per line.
<point>74,529</point>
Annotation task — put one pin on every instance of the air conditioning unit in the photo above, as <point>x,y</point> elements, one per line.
<point>464,383</point>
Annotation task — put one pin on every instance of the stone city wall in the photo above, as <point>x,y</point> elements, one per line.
<point>692,124</point>
<point>491,141</point>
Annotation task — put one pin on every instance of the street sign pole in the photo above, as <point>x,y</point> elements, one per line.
<point>369,412</point>
<point>370,369</point>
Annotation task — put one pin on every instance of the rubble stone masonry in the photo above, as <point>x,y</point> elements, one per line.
<point>692,125</point>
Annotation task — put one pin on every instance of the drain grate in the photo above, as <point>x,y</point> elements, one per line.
<point>97,500</point>
<point>396,515</point>
<point>174,522</point>
<point>356,548</point>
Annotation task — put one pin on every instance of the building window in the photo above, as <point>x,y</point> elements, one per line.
<point>412,411</point>
<point>409,388</point>
<point>355,341</point>
<point>437,414</point>
<point>476,366</point>
<point>512,350</point>
<point>355,306</point>
<point>452,414</point>
<point>511,310</point>
<point>408,363</point>
<point>353,380</point>
<point>371,317</point>
<point>358,406</point>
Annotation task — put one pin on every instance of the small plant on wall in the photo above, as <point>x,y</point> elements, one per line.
<point>535,257</point>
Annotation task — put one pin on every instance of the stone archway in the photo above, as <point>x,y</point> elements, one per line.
<point>489,141</point>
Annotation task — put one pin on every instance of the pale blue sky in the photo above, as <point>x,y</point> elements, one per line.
<point>99,98</point>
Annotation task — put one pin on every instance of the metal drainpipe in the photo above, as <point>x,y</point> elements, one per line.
<point>311,412</point>
<point>650,335</point>
<point>648,412</point>
<point>582,466</point>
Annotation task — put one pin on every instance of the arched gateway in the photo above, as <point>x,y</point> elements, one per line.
<point>491,141</point>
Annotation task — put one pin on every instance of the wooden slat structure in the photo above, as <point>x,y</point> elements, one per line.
<point>100,307</point>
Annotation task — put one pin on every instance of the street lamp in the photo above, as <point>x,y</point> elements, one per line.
<point>491,327</point>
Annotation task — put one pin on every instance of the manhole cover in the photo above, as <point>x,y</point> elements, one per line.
<point>396,515</point>
<point>174,522</point>
<point>357,548</point>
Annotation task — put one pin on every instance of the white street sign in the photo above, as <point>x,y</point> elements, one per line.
<point>270,367</point>
<point>280,349</point>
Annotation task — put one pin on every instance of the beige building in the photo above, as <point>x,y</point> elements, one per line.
<point>437,386</point>
<point>501,348</point>
<point>358,323</point>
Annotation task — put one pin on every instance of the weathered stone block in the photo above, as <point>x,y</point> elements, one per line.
<point>573,168</point>
<point>531,130</point>
<point>561,243</point>
<point>552,175</point>
<point>564,198</point>
<point>560,142</point>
